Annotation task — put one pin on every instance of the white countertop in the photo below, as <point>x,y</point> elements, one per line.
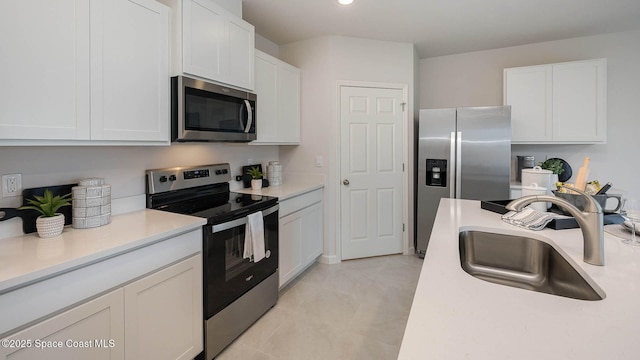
<point>288,189</point>
<point>457,316</point>
<point>28,258</point>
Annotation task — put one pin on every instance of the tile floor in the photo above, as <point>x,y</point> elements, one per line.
<point>354,310</point>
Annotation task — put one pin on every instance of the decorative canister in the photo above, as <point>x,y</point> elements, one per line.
<point>274,173</point>
<point>534,189</point>
<point>91,203</point>
<point>539,176</point>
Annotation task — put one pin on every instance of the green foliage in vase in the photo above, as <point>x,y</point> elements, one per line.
<point>48,204</point>
<point>255,173</point>
<point>555,165</point>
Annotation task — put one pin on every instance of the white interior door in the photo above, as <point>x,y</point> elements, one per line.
<point>371,171</point>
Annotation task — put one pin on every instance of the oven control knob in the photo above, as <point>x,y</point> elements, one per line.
<point>172,178</point>
<point>218,172</point>
<point>163,179</point>
<point>267,254</point>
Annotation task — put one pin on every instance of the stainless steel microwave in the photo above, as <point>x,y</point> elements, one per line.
<point>202,111</point>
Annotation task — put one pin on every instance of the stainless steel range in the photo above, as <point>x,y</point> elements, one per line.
<point>237,290</point>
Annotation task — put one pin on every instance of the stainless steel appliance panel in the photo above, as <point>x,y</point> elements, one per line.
<point>485,156</point>
<point>436,128</point>
<point>203,111</point>
<point>224,327</point>
<point>462,153</point>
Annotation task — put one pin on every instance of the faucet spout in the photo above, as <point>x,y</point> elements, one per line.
<point>590,220</point>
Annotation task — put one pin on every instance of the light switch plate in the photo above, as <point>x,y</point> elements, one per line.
<point>11,185</point>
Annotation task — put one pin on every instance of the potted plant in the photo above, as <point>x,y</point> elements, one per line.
<point>256,177</point>
<point>50,223</point>
<point>555,166</point>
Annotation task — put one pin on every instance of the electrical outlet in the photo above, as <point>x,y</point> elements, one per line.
<point>11,185</point>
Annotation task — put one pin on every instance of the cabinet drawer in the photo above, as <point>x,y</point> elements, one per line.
<point>299,202</point>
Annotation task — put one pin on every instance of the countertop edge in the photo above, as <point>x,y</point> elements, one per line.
<point>84,260</point>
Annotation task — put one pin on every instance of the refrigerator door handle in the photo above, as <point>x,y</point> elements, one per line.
<point>452,157</point>
<point>459,165</point>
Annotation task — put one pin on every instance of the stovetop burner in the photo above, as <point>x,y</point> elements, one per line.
<point>201,191</point>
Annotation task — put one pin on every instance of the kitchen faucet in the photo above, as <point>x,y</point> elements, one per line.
<point>590,221</point>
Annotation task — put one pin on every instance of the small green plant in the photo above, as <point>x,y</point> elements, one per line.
<point>48,204</point>
<point>255,173</point>
<point>555,165</point>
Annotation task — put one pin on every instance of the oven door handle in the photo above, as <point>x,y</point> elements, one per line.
<point>242,221</point>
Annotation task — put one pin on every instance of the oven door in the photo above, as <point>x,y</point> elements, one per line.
<point>227,275</point>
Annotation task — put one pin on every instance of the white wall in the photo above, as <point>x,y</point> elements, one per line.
<point>267,46</point>
<point>475,79</point>
<point>324,61</point>
<point>122,167</point>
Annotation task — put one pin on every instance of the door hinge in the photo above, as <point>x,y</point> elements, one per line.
<point>403,106</point>
<point>402,227</point>
<point>402,167</point>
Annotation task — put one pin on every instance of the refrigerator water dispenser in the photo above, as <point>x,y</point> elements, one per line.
<point>437,172</point>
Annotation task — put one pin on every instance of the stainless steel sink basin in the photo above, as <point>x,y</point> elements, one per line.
<point>525,263</point>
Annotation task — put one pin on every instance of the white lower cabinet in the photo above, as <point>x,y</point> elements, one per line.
<point>93,330</point>
<point>163,313</point>
<point>156,317</point>
<point>300,234</point>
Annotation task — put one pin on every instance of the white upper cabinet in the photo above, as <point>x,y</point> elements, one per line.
<point>96,71</point>
<point>130,70</point>
<point>44,67</point>
<point>216,44</point>
<point>278,106</point>
<point>558,103</point>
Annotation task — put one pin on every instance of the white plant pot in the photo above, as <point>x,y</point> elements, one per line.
<point>50,226</point>
<point>256,184</point>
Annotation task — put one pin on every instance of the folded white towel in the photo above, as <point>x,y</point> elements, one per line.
<point>529,218</point>
<point>254,237</point>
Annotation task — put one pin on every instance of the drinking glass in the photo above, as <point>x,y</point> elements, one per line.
<point>631,212</point>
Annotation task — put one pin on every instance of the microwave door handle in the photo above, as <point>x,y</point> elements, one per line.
<point>249,116</point>
<point>242,125</point>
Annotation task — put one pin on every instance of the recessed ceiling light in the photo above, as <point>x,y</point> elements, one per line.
<point>345,2</point>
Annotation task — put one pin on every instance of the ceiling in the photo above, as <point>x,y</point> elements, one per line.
<point>442,27</point>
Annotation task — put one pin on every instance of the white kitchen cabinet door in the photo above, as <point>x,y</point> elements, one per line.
<point>203,26</point>
<point>311,233</point>
<point>93,330</point>
<point>164,313</point>
<point>289,247</point>
<point>579,101</point>
<point>130,70</point>
<point>217,45</point>
<point>563,103</point>
<point>239,48</point>
<point>44,67</point>
<point>300,234</point>
<point>529,92</point>
<point>277,85</point>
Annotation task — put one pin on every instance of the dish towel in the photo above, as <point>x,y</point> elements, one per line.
<point>254,237</point>
<point>529,218</point>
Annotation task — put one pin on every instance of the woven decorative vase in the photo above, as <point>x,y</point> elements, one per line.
<point>50,226</point>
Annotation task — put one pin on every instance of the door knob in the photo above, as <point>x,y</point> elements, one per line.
<point>345,182</point>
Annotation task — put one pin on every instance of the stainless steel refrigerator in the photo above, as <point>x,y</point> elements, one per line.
<point>463,153</point>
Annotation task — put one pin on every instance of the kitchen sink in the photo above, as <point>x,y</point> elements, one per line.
<point>523,262</point>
